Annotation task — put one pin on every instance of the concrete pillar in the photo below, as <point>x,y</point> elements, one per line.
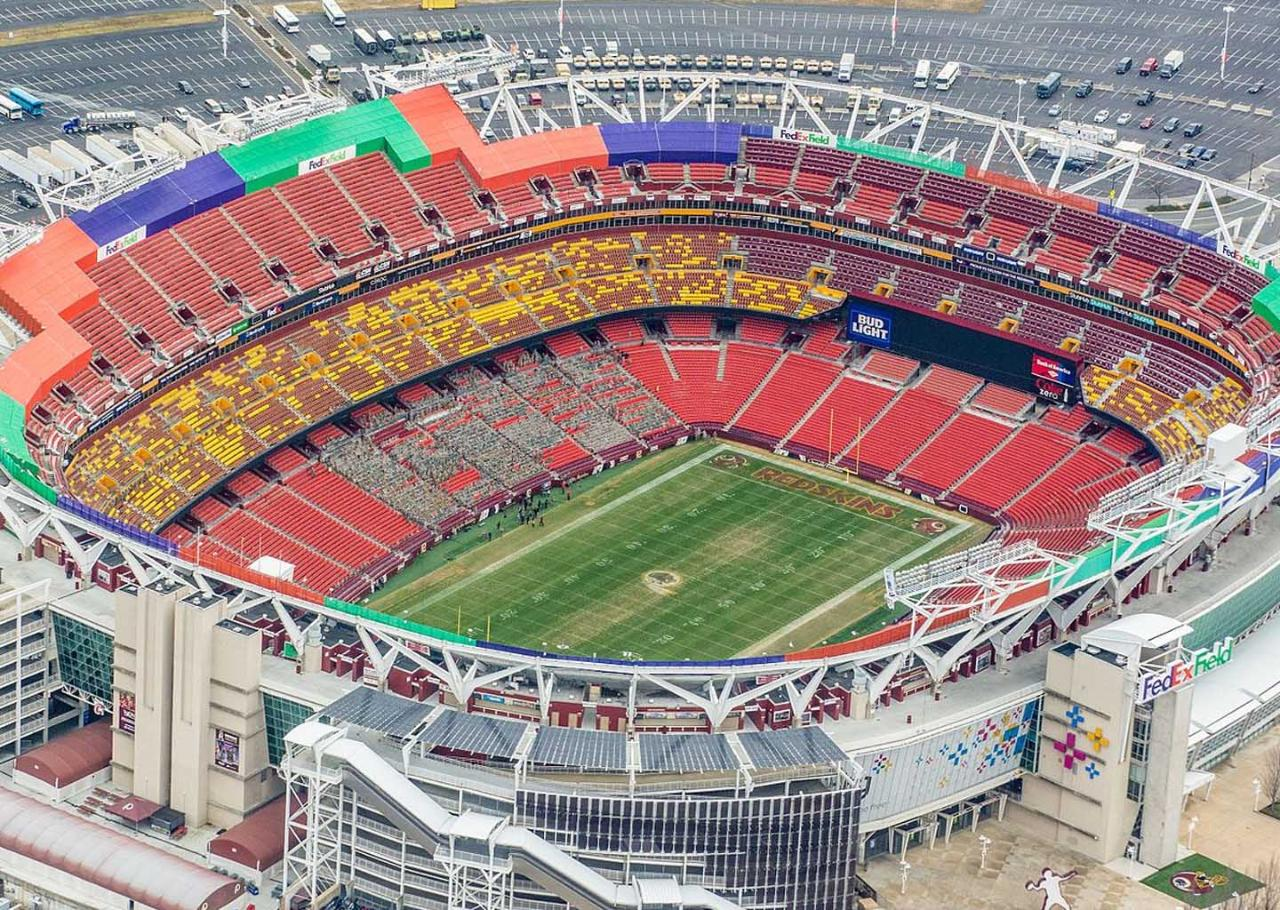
<point>1166,771</point>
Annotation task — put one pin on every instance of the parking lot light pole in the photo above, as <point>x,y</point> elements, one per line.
<point>893,27</point>
<point>1226,32</point>
<point>223,14</point>
<point>1021,82</point>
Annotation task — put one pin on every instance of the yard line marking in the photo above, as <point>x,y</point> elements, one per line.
<point>560,532</point>
<point>834,601</point>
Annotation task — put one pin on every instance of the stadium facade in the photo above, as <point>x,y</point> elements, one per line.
<point>108,437</point>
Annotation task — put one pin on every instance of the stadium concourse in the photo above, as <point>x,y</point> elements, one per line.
<point>257,387</point>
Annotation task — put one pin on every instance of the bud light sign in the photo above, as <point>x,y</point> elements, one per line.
<point>870,324</point>
<point>1184,670</point>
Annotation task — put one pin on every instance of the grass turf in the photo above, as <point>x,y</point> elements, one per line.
<point>699,552</point>
<point>1205,882</point>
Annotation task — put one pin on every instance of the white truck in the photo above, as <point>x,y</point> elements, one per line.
<point>1172,63</point>
<point>845,72</point>
<point>24,170</point>
<point>1089,132</point>
<point>319,55</point>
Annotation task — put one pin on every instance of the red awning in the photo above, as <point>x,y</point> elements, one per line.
<point>133,808</point>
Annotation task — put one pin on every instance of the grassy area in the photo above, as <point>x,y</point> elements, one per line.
<point>1198,881</point>
<point>701,551</point>
<point>110,25</point>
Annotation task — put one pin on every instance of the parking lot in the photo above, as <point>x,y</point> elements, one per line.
<point>134,71</point>
<point>1007,41</point>
<point>16,14</point>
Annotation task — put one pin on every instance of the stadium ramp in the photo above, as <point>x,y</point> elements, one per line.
<point>480,837</point>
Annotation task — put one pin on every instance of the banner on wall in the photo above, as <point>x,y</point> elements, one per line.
<point>226,750</point>
<point>126,713</point>
<point>307,165</point>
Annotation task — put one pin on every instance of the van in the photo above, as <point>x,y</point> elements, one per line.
<point>214,106</point>
<point>1125,64</point>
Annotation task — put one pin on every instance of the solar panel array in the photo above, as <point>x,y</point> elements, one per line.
<point>475,733</point>
<point>374,710</point>
<point>588,750</point>
<point>786,748</point>
<point>685,753</point>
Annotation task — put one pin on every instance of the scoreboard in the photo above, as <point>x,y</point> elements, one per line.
<point>1046,372</point>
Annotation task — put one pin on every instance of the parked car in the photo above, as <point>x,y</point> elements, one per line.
<point>1124,118</point>
<point>1125,64</point>
<point>1055,110</point>
<point>1208,154</point>
<point>1084,89</point>
<point>185,87</point>
<point>1102,116</point>
<point>1192,130</point>
<point>1257,87</point>
<point>1146,123</point>
<point>1146,98</point>
<point>1171,125</point>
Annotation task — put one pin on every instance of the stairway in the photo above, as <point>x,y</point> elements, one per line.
<point>777,364</point>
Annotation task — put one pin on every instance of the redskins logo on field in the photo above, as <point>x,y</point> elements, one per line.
<point>930,526</point>
<point>728,460</point>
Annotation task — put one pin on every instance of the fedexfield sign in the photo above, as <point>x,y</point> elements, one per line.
<point>1183,671</point>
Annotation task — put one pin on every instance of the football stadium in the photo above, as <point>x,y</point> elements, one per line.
<point>642,514</point>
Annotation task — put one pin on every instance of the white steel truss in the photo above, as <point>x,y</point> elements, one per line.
<point>105,183</point>
<point>14,237</point>
<point>261,118</point>
<point>438,68</point>
<point>313,823</point>
<point>1012,586</point>
<point>831,109</point>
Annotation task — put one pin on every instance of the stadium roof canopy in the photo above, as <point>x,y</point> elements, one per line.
<point>109,859</point>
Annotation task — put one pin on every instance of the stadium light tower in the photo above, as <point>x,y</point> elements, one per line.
<point>1226,32</point>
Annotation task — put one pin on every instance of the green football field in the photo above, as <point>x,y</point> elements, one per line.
<point>703,551</point>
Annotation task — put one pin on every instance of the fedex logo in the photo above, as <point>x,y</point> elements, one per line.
<point>1183,671</point>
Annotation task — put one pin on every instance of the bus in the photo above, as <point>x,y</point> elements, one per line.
<point>9,110</point>
<point>364,42</point>
<point>337,18</point>
<point>1049,85</point>
<point>27,101</point>
<point>285,18</point>
<point>385,39</point>
<point>923,68</point>
<point>947,76</point>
